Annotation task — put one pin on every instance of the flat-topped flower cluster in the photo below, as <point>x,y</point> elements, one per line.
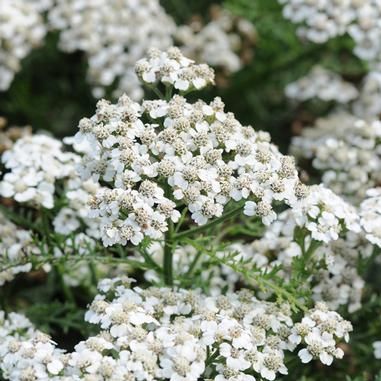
<point>164,153</point>
<point>160,333</point>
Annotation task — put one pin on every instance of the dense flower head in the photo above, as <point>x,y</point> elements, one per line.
<point>318,330</point>
<point>35,164</point>
<point>21,30</point>
<point>160,333</point>
<point>164,154</point>
<point>322,84</point>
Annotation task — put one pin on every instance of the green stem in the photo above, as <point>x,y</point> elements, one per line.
<point>168,93</point>
<point>157,92</point>
<point>102,259</point>
<point>18,219</point>
<point>93,273</point>
<point>66,290</point>
<point>212,357</point>
<point>214,222</point>
<point>181,220</point>
<point>194,263</point>
<point>149,261</point>
<point>169,244</point>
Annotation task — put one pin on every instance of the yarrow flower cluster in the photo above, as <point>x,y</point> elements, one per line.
<point>349,157</point>
<point>160,333</point>
<point>27,353</point>
<point>225,42</point>
<point>322,20</point>
<point>322,84</point>
<point>21,29</point>
<point>114,35</point>
<point>161,153</point>
<point>318,329</point>
<point>35,163</point>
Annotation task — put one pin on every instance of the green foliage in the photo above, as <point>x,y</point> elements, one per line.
<point>50,92</point>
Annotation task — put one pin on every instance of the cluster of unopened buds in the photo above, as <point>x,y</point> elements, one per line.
<point>160,333</point>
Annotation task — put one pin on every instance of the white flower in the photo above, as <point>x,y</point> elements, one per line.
<point>250,208</point>
<point>235,358</point>
<point>323,84</point>
<point>377,349</point>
